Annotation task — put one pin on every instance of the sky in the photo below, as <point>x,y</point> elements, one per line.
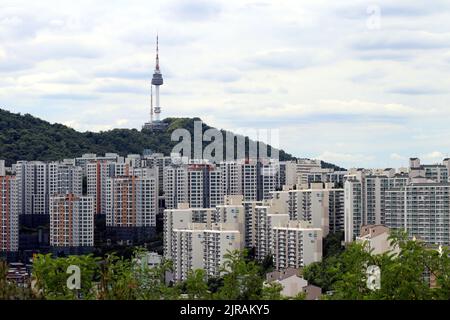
<point>356,83</point>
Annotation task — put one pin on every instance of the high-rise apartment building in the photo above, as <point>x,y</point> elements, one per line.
<point>365,193</point>
<point>2,168</point>
<point>422,208</point>
<point>231,178</point>
<point>32,187</point>
<point>180,219</point>
<point>9,215</point>
<point>304,167</point>
<point>176,185</point>
<point>98,172</point>
<point>321,205</point>
<point>65,179</point>
<point>250,222</point>
<point>288,173</point>
<point>296,245</point>
<point>71,221</point>
<point>270,179</point>
<point>132,201</point>
<point>250,173</point>
<point>202,247</point>
<point>266,218</point>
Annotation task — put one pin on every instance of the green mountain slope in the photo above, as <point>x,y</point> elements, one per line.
<point>24,137</point>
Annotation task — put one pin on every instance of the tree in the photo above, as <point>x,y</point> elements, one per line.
<point>196,286</point>
<point>323,274</point>
<point>50,276</point>
<point>242,278</point>
<point>351,281</point>
<point>411,270</point>
<point>117,281</point>
<point>272,291</point>
<point>332,244</point>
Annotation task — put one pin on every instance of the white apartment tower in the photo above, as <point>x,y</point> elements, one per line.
<point>304,167</point>
<point>321,205</point>
<point>231,178</point>
<point>32,187</point>
<point>2,168</point>
<point>266,218</point>
<point>422,208</point>
<point>180,219</point>
<point>202,247</point>
<point>250,172</point>
<point>176,185</point>
<point>296,245</point>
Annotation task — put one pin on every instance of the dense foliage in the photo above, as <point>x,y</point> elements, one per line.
<point>24,137</point>
<point>410,271</point>
<point>116,278</point>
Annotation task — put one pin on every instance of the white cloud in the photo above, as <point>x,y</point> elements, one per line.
<point>396,156</point>
<point>344,157</point>
<point>435,156</point>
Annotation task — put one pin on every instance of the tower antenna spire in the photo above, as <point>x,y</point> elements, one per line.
<point>157,52</point>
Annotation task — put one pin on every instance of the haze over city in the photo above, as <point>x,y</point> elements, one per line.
<point>337,87</point>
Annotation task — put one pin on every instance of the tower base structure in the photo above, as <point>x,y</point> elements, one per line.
<point>155,126</point>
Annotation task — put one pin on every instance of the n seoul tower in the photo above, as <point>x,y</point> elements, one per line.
<point>157,81</point>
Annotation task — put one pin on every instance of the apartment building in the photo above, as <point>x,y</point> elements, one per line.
<point>158,161</point>
<point>250,222</point>
<point>296,245</point>
<point>2,168</point>
<point>304,167</point>
<point>131,200</point>
<point>266,218</point>
<point>422,208</point>
<point>92,158</point>
<point>270,179</point>
<point>97,173</point>
<point>231,177</point>
<point>216,194</point>
<point>250,173</point>
<point>288,173</point>
<point>9,215</point>
<point>32,187</point>
<point>181,218</point>
<point>200,246</point>
<point>327,175</point>
<point>365,197</point>
<point>233,214</point>
<point>175,186</point>
<point>71,221</point>
<point>65,179</point>
<point>322,205</point>
<point>204,186</point>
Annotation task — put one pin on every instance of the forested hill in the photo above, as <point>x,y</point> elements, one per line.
<point>24,137</point>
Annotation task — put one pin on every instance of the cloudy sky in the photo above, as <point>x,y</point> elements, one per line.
<point>357,83</point>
